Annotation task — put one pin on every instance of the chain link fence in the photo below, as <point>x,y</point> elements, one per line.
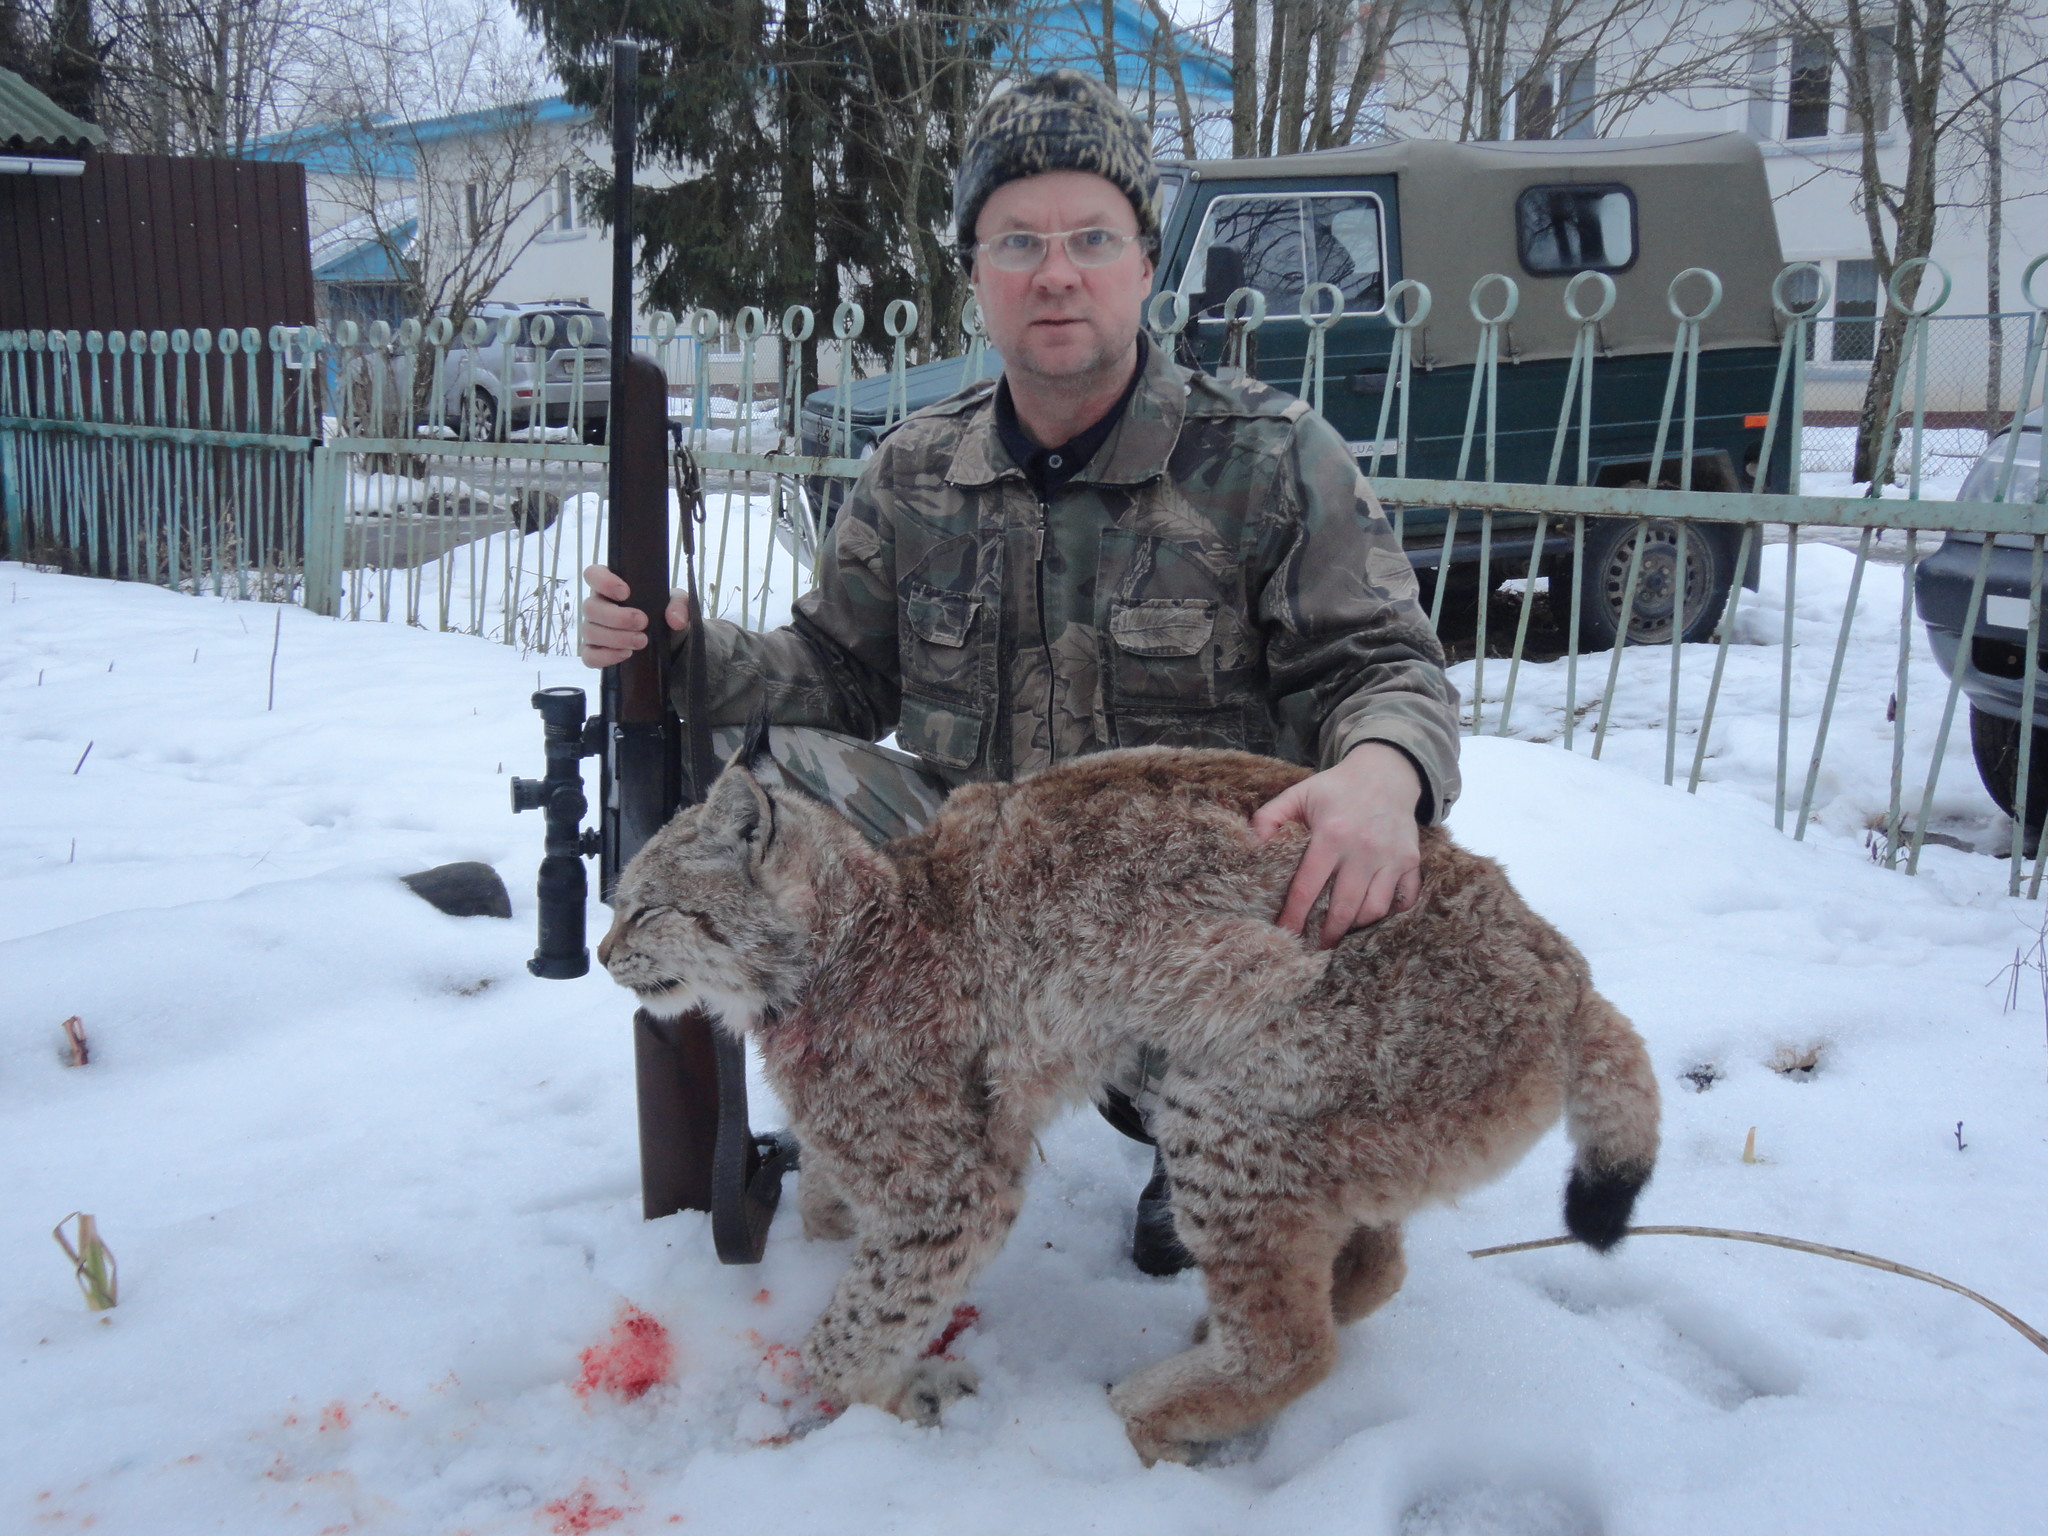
<point>1975,368</point>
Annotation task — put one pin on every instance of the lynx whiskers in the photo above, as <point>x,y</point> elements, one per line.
<point>923,1009</point>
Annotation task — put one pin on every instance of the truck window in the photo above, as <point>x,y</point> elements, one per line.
<point>1562,230</point>
<point>1247,242</point>
<point>1348,241</point>
<point>1279,245</point>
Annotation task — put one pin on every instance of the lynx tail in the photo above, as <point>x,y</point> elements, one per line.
<point>1611,1110</point>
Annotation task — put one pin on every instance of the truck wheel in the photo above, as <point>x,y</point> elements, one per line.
<point>1995,743</point>
<point>1610,543</point>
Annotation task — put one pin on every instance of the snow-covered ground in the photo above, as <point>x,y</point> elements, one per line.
<point>374,1189</point>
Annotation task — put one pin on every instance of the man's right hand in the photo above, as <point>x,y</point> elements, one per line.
<point>611,631</point>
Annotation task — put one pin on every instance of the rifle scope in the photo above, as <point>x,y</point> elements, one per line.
<point>564,888</point>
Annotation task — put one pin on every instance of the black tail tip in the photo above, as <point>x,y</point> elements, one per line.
<point>1597,1205</point>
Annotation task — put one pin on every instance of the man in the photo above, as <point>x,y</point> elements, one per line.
<point>1100,550</point>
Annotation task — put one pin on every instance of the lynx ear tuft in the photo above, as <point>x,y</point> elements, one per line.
<point>735,806</point>
<point>755,753</point>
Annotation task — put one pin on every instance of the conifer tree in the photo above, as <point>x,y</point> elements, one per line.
<point>812,145</point>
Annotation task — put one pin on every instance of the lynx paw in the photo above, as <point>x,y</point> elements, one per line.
<point>929,1387</point>
<point>827,1219</point>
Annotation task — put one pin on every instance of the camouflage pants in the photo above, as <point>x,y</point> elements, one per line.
<point>888,794</point>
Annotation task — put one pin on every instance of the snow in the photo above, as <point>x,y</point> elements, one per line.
<point>374,1189</point>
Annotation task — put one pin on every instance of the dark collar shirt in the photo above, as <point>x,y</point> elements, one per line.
<point>1047,469</point>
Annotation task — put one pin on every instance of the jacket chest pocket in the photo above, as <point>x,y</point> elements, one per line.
<point>1162,652</point>
<point>941,635</point>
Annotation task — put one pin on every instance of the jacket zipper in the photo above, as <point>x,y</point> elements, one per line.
<point>1052,741</point>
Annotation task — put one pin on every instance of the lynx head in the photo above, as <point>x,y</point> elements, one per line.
<point>712,911</point>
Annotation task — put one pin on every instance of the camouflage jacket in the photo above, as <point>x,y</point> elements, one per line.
<point>1219,575</point>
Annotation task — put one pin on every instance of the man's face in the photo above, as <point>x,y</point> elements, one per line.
<point>1060,322</point>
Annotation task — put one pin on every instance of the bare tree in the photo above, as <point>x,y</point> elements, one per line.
<point>1494,69</point>
<point>2001,133</point>
<point>1289,102</point>
<point>205,77</point>
<point>1909,111</point>
<point>447,166</point>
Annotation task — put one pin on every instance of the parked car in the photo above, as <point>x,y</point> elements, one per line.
<point>1643,210</point>
<point>513,381</point>
<point>1993,669</point>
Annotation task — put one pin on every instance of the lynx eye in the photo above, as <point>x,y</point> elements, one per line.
<point>647,914</point>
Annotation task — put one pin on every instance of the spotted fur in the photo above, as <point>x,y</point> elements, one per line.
<point>923,1009</point>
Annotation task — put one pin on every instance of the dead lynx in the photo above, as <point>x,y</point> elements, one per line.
<point>924,1008</point>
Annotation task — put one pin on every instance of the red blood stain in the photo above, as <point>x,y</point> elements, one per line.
<point>762,1298</point>
<point>636,1357</point>
<point>963,1319</point>
<point>333,1416</point>
<point>581,1512</point>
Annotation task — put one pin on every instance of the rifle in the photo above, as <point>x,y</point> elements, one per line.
<point>697,1151</point>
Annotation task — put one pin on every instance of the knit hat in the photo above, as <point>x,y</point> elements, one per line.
<point>1061,121</point>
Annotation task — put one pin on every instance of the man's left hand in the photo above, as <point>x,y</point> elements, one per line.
<point>1363,843</point>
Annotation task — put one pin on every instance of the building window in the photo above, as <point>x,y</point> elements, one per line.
<point>1801,289</point>
<point>1873,83</point>
<point>1808,100</point>
<point>1558,103</point>
<point>1855,311</point>
<point>564,218</point>
<point>1763,89</point>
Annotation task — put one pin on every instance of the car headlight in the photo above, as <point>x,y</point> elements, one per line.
<point>1982,481</point>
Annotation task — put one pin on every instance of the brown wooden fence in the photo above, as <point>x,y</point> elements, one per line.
<point>155,242</point>
<point>175,274</point>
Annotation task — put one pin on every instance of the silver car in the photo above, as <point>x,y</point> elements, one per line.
<point>1993,666</point>
<point>527,371</point>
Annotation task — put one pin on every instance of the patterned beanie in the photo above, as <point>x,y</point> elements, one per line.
<point>1061,121</point>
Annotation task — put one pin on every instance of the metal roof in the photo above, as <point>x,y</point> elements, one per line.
<point>28,118</point>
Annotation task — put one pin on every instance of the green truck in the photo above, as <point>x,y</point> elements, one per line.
<point>1642,211</point>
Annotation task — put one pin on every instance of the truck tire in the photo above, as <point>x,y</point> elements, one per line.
<point>1709,568</point>
<point>1995,743</point>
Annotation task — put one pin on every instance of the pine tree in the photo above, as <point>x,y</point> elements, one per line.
<point>813,146</point>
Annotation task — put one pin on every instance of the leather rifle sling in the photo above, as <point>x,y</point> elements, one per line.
<point>745,1184</point>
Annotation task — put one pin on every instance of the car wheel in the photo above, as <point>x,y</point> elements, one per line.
<point>1610,544</point>
<point>1995,743</point>
<point>479,417</point>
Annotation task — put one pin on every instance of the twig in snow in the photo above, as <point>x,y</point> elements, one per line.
<point>81,760</point>
<point>1749,1147</point>
<point>77,1052</point>
<point>2032,1335</point>
<point>1960,1143</point>
<point>276,634</point>
<point>2027,958</point>
<point>92,1262</point>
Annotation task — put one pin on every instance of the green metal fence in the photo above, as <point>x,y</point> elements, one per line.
<point>455,480</point>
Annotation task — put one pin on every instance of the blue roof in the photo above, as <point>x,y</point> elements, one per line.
<point>385,144</point>
<point>1068,33</point>
<point>370,261</point>
<point>1058,33</point>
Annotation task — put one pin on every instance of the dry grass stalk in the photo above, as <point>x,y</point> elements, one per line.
<point>77,1052</point>
<point>2032,1335</point>
<point>92,1262</point>
<point>1749,1147</point>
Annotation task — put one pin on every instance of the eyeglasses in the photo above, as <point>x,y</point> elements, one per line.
<point>1023,250</point>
